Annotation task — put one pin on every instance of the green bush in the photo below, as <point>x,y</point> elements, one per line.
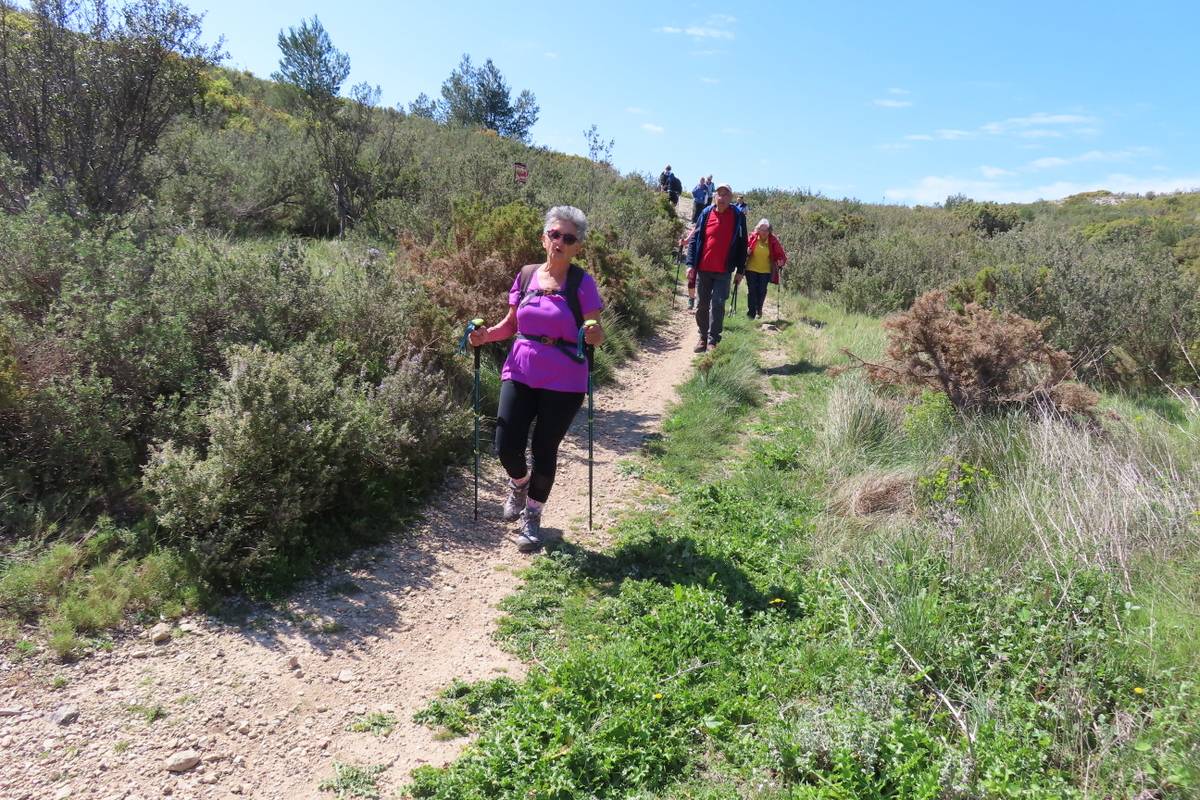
<point>288,444</point>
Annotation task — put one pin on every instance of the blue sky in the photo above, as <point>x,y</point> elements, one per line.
<point>884,102</point>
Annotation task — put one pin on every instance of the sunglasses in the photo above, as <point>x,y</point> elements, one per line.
<point>567,238</point>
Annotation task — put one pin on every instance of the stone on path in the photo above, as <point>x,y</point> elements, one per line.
<point>160,633</point>
<point>64,715</point>
<point>183,761</point>
<point>345,676</point>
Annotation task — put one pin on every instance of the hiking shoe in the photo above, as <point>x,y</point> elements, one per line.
<point>530,539</point>
<point>515,503</point>
<point>701,347</point>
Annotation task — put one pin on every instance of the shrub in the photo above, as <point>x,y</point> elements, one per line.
<point>981,360</point>
<point>289,444</point>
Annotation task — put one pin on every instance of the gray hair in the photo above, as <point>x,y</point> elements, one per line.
<point>764,221</point>
<point>569,214</point>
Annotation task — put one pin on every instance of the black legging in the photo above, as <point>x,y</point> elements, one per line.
<point>519,405</point>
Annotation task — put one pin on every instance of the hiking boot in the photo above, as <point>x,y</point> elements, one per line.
<point>530,540</point>
<point>515,503</point>
<point>701,347</point>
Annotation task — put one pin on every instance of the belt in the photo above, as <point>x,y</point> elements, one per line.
<point>545,340</point>
<point>568,347</point>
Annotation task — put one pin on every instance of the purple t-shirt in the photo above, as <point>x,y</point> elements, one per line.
<point>546,366</point>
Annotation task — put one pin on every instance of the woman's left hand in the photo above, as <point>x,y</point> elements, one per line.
<point>594,334</point>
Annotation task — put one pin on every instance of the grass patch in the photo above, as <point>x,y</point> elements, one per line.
<point>149,714</point>
<point>353,781</point>
<point>750,641</point>
<point>76,589</point>
<point>377,722</point>
<point>463,708</point>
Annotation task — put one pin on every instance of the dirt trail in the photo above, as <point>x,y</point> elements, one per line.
<point>265,702</point>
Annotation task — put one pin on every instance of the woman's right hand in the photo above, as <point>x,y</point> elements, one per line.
<point>478,337</point>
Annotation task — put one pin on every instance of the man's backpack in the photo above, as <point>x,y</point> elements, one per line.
<point>569,292</point>
<point>676,185</point>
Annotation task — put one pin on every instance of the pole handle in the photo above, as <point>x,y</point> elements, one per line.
<point>472,326</point>
<point>580,344</point>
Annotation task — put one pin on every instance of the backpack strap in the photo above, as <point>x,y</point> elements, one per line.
<point>569,292</point>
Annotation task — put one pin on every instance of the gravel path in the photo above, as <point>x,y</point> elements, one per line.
<point>264,702</point>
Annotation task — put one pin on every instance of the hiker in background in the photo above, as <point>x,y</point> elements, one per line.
<point>674,189</point>
<point>664,179</point>
<point>710,191</point>
<point>699,198</point>
<point>543,382</point>
<point>765,258</point>
<point>740,204</point>
<point>685,244</point>
<point>718,250</point>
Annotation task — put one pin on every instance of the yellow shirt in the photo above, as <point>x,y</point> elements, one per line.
<point>760,259</point>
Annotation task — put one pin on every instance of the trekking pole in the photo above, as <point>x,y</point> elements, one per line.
<point>472,326</point>
<point>675,290</point>
<point>735,288</point>
<point>591,414</point>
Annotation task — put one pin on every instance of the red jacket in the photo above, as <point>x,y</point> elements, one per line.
<point>778,256</point>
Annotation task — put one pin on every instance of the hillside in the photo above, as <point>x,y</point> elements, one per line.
<point>931,530</point>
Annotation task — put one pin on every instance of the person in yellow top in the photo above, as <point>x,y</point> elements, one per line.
<point>764,258</point>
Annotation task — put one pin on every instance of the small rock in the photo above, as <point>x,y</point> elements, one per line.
<point>293,663</point>
<point>160,633</point>
<point>65,715</point>
<point>183,761</point>
<point>243,727</point>
<point>63,793</point>
<point>188,627</point>
<point>345,676</point>
<point>10,712</point>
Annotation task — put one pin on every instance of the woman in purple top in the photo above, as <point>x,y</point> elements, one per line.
<point>543,383</point>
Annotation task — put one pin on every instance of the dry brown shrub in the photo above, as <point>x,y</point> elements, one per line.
<point>983,360</point>
<point>876,493</point>
<point>462,282</point>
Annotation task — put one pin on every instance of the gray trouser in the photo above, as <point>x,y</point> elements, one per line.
<point>712,288</point>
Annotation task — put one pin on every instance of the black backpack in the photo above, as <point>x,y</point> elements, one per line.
<point>570,293</point>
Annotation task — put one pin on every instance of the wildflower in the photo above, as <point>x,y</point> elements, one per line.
<point>777,601</point>
<point>1138,690</point>
<point>658,696</point>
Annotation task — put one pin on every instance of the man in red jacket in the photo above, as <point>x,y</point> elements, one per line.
<point>718,250</point>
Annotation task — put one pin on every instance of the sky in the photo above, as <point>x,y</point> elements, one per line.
<point>889,102</point>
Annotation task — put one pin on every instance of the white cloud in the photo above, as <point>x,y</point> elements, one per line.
<point>919,137</point>
<point>550,54</point>
<point>889,103</point>
<point>716,26</point>
<point>652,128</point>
<point>1040,121</point>
<point>994,172</point>
<point>1039,133</point>
<point>936,188</point>
<point>951,134</point>
<point>1048,163</point>
<point>893,146</point>
<point>709,80</point>
<point>1091,156</point>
